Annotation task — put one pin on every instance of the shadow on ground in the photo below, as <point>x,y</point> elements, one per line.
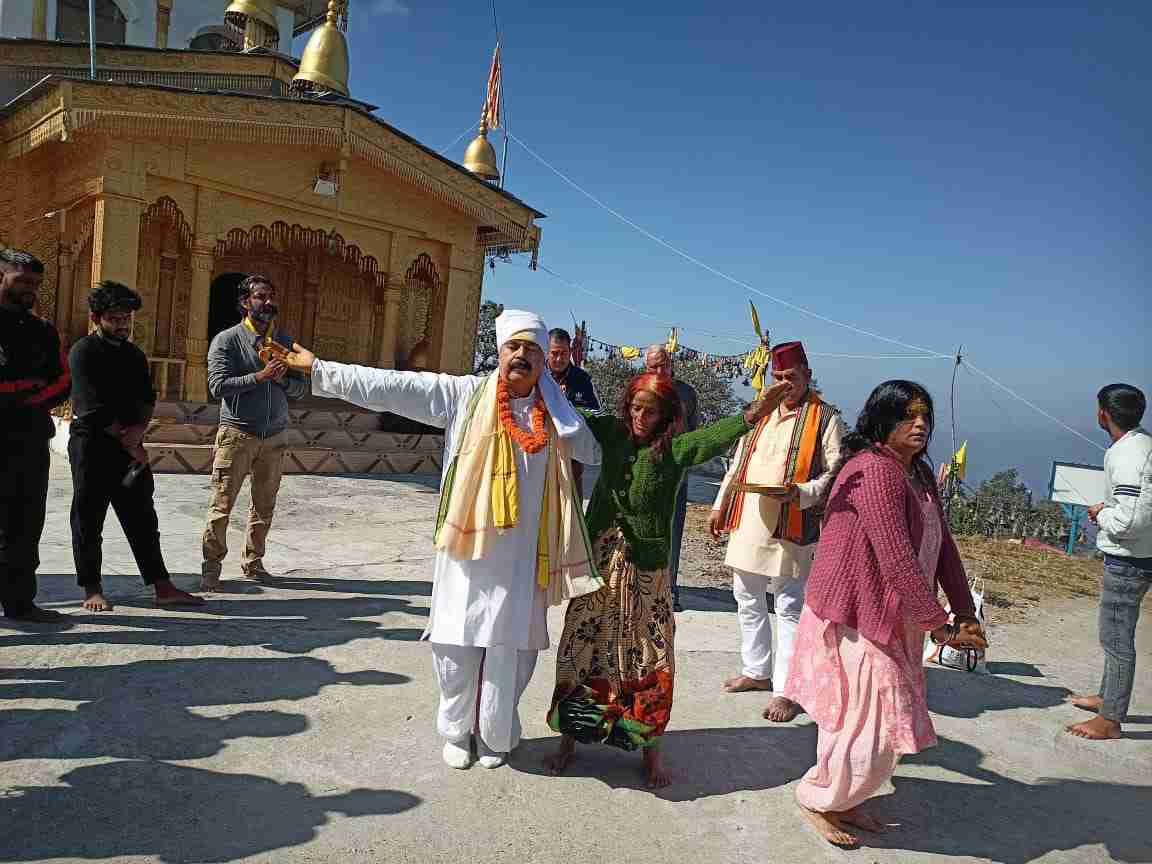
<point>704,762</point>
<point>174,813</point>
<point>291,626</point>
<point>707,599</point>
<point>142,710</point>
<point>955,693</point>
<point>1008,821</point>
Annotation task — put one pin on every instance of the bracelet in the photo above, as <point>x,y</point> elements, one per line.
<point>951,634</point>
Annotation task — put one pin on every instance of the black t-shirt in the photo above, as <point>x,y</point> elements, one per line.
<point>110,384</point>
<point>33,375</point>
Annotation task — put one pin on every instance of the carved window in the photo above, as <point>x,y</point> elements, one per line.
<point>72,22</point>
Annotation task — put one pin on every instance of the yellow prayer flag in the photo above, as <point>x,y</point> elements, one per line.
<point>756,321</point>
<point>960,460</point>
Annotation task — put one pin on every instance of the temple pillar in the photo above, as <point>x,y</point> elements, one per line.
<point>196,342</point>
<point>307,335</point>
<point>40,19</point>
<point>65,286</point>
<point>116,239</point>
<point>391,329</point>
<point>163,18</point>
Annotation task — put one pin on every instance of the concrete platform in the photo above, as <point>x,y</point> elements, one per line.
<point>294,724</point>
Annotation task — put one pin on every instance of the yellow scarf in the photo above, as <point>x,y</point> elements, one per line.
<point>481,498</point>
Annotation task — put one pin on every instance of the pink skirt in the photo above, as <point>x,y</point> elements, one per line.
<point>869,702</point>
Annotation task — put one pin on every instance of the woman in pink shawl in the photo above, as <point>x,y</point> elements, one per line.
<point>857,669</point>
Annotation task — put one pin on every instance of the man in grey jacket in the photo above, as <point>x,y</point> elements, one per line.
<point>254,398</point>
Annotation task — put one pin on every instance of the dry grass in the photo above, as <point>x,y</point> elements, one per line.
<point>1016,577</point>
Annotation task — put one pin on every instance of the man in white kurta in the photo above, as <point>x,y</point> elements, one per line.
<point>764,558</point>
<point>488,617</point>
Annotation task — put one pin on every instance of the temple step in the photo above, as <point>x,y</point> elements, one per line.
<point>303,436</point>
<point>325,436</point>
<point>197,459</point>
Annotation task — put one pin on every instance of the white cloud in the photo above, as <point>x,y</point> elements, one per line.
<point>389,7</point>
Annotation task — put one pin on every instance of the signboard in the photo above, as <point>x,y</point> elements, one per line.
<point>1074,483</point>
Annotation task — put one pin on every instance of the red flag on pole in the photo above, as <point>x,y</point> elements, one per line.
<point>491,114</point>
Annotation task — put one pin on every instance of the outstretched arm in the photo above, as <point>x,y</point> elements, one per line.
<point>426,397</point>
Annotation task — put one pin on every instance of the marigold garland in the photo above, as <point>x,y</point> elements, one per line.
<point>530,442</point>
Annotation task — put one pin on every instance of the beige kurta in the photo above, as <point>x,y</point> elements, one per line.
<point>751,546</point>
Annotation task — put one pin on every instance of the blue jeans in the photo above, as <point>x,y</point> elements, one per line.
<point>1124,587</point>
<point>678,516</point>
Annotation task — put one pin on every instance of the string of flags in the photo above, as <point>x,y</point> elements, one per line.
<point>751,365</point>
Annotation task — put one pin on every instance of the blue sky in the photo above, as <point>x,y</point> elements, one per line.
<point>940,173</point>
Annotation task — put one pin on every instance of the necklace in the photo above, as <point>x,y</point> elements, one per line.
<point>530,442</point>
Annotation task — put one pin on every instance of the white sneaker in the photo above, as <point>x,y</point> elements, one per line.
<point>457,754</point>
<point>489,758</point>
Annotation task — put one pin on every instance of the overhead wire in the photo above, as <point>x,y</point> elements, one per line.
<point>708,267</point>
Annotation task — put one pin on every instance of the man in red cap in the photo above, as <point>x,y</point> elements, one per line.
<point>773,534</point>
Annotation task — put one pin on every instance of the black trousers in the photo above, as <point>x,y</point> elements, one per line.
<point>23,500</point>
<point>99,464</point>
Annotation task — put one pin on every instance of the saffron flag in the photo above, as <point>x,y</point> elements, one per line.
<point>960,460</point>
<point>491,114</point>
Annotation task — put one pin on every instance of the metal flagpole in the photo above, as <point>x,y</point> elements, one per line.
<point>92,39</point>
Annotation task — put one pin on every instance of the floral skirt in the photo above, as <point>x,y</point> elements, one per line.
<point>615,662</point>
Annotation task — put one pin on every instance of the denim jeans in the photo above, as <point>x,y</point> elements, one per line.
<point>1124,587</point>
<point>678,516</point>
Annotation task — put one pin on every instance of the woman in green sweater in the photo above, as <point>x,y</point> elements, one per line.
<point>615,663</point>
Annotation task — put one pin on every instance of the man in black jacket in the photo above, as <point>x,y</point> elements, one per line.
<point>112,403</point>
<point>33,380</point>
<point>575,383</point>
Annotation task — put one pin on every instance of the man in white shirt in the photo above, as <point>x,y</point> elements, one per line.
<point>1125,538</point>
<point>508,445</point>
<point>772,535</point>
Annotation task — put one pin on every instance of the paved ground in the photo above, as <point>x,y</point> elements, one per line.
<point>293,725</point>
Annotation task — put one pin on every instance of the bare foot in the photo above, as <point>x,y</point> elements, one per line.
<point>168,594</point>
<point>658,778</point>
<point>1088,703</point>
<point>558,762</point>
<point>781,710</point>
<point>97,602</point>
<point>863,821</point>
<point>830,828</point>
<point>742,684</point>
<point>1096,729</point>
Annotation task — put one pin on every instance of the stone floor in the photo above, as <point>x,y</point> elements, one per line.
<point>293,724</point>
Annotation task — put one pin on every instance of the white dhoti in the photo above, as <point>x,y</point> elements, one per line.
<point>480,690</point>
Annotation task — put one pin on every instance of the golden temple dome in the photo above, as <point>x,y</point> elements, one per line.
<point>324,64</point>
<point>480,157</point>
<point>255,20</point>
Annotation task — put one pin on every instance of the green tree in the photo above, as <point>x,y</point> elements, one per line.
<point>1005,486</point>
<point>486,353</point>
<point>611,377</point>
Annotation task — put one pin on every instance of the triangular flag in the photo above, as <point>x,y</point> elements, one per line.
<point>960,461</point>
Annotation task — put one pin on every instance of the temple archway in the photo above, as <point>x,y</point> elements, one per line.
<point>422,310</point>
<point>326,288</point>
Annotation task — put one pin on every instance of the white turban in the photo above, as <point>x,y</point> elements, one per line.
<point>516,323</point>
